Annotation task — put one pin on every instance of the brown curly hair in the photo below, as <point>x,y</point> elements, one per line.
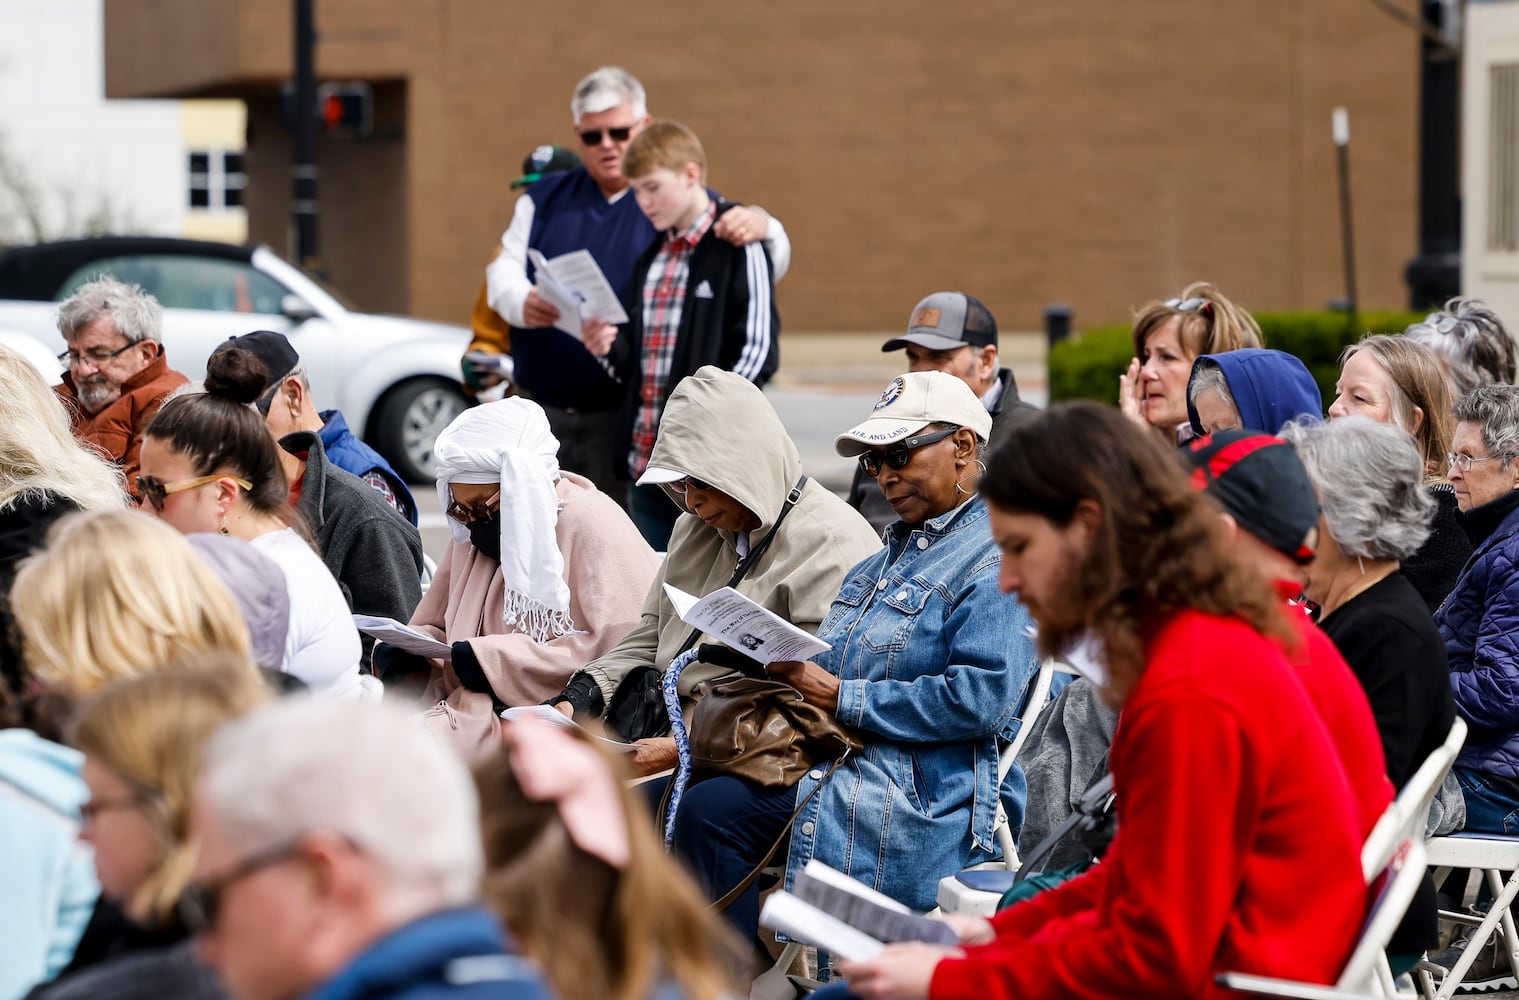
<point>1159,546</point>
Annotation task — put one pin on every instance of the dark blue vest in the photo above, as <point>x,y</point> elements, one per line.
<point>570,213</point>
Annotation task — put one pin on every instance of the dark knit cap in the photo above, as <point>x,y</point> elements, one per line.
<point>1260,482</point>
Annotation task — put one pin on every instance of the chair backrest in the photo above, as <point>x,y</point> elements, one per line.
<point>1400,881</point>
<point>1038,697</point>
<point>1407,814</point>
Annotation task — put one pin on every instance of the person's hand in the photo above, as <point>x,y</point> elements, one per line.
<point>1131,394</point>
<point>970,930</point>
<point>478,378</point>
<point>538,312</point>
<point>598,336</point>
<point>565,709</point>
<point>898,972</point>
<point>742,224</point>
<point>653,755</point>
<point>816,685</point>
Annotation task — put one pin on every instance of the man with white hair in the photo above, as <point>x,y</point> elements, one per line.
<point>340,857</point>
<point>117,375</point>
<point>587,208</point>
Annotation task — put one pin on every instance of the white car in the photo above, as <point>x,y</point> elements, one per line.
<point>395,379</point>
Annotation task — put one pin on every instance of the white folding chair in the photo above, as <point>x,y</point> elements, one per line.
<point>1395,846</point>
<point>1492,854</point>
<point>958,893</point>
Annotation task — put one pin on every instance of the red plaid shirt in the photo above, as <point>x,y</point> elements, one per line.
<point>664,296</point>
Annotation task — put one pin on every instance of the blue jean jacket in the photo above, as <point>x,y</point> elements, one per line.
<point>934,663</point>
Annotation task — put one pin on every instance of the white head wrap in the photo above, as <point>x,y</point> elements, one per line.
<point>509,442</point>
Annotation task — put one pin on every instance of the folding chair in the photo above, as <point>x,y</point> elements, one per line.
<point>1394,852</point>
<point>1492,854</point>
<point>978,895</point>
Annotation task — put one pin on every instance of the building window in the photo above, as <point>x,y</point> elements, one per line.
<point>1503,159</point>
<point>217,180</point>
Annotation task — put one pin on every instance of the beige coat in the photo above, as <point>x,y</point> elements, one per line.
<point>607,566</point>
<point>719,428</point>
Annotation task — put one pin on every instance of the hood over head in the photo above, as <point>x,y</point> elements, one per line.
<point>719,427</point>
<point>1270,388</point>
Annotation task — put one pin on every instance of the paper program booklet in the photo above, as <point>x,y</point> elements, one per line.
<point>832,912</point>
<point>554,717</point>
<point>403,636</point>
<point>574,284</point>
<point>755,631</point>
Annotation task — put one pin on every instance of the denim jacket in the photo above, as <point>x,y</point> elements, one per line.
<point>934,663</point>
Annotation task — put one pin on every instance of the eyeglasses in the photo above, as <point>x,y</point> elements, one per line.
<point>1190,305</point>
<point>690,482</point>
<point>592,136</point>
<point>155,491</point>
<point>1465,462</point>
<point>897,455</point>
<point>201,902</point>
<point>71,358</point>
<point>470,513</point>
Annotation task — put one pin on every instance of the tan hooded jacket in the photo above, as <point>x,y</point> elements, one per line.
<point>719,428</point>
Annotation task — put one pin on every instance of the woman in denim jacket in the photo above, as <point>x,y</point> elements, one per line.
<point>929,663</point>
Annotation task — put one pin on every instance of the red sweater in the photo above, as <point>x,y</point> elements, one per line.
<point>1238,845</point>
<point>1341,701</point>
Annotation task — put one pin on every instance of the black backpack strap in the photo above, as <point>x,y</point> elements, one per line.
<point>1092,806</point>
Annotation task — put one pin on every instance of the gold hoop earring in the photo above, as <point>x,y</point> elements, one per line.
<point>980,471</point>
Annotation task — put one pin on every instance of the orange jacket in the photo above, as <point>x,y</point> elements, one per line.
<point>117,430</point>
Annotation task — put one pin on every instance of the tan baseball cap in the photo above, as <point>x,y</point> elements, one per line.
<point>910,403</point>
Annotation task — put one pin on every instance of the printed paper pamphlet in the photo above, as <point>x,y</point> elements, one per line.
<point>574,284</point>
<point>403,636</point>
<point>755,631</point>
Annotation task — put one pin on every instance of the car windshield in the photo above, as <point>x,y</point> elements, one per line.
<point>180,281</point>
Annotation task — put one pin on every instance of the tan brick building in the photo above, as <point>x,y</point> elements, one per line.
<point>1099,152</point>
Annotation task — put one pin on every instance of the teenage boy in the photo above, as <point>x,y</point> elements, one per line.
<point>693,300</point>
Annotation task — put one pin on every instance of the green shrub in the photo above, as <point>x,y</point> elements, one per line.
<point>1088,366</point>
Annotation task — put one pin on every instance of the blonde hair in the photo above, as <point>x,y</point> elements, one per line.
<point>663,144</point>
<point>1216,326</point>
<point>599,932</point>
<point>116,594</point>
<point>150,731</point>
<point>39,455</point>
<point>1417,381</point>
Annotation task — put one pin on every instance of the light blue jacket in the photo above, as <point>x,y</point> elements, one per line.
<point>47,877</point>
<point>934,663</point>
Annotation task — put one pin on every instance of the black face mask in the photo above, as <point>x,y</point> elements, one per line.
<point>486,536</point>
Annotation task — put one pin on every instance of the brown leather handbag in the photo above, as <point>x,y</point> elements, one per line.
<point>763,731</point>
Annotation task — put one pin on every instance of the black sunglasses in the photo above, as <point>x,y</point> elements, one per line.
<point>898,454</point>
<point>592,136</point>
<point>201,902</point>
<point>155,491</point>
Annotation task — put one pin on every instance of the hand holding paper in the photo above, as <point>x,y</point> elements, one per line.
<point>753,630</point>
<point>403,636</point>
<point>574,284</point>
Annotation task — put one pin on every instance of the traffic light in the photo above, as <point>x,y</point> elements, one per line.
<point>342,109</point>
<point>345,108</point>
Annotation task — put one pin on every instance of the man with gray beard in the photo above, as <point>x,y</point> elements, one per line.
<point>117,375</point>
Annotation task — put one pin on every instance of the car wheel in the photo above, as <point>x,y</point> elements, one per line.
<point>408,421</point>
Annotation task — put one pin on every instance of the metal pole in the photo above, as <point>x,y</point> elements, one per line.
<point>1340,124</point>
<point>1435,274</point>
<point>303,170</point>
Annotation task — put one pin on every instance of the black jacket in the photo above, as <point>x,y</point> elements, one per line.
<point>866,497</point>
<point>1435,568</point>
<point>728,319</point>
<point>374,552</point>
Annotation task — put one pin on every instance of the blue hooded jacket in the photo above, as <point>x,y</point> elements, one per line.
<point>1270,388</point>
